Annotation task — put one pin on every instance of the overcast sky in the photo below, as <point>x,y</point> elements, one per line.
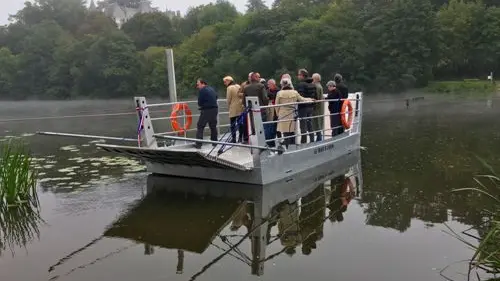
<point>12,6</point>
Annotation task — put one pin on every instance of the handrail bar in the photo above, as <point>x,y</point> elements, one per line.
<point>182,116</point>
<point>305,102</point>
<point>177,102</point>
<point>305,118</point>
<point>216,142</point>
<point>190,130</point>
<point>308,133</point>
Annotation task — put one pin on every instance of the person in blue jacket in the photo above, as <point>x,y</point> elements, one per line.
<point>209,110</point>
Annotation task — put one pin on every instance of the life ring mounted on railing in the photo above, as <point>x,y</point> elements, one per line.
<point>175,123</point>
<point>347,108</point>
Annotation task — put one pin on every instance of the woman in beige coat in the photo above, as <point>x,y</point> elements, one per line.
<point>235,105</point>
<point>287,112</point>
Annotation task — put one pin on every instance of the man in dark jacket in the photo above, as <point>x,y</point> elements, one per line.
<point>257,89</point>
<point>209,110</point>
<point>341,86</point>
<point>271,94</point>
<point>306,89</point>
<point>337,93</point>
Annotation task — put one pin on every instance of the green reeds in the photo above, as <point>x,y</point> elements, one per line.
<point>18,176</point>
<point>18,226</point>
<point>19,208</point>
<point>487,252</point>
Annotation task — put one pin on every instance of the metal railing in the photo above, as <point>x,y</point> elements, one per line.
<point>296,119</point>
<point>184,116</point>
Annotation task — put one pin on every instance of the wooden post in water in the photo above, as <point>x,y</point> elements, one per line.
<point>180,261</point>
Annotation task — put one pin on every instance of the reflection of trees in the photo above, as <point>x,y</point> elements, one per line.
<point>18,226</point>
<point>414,162</point>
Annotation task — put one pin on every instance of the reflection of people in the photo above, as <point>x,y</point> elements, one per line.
<point>288,227</point>
<point>341,196</point>
<point>242,217</point>
<point>312,215</point>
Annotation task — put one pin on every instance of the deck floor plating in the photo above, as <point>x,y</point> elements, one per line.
<point>238,155</point>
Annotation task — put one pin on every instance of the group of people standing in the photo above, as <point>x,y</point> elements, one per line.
<point>308,91</point>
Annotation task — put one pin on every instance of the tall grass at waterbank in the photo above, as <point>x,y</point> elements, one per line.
<point>18,176</point>
<point>486,255</point>
<point>462,87</point>
<point>19,225</point>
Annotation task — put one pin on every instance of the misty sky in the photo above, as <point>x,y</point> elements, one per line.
<point>12,6</point>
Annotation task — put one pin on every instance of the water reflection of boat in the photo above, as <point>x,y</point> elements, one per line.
<point>193,215</point>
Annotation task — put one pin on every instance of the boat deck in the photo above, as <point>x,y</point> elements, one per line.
<point>239,155</point>
<point>238,158</point>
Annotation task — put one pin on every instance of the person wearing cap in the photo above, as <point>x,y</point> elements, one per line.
<point>318,108</point>
<point>209,110</point>
<point>235,105</point>
<point>334,106</point>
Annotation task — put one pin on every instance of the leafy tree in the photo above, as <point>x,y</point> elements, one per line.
<point>124,3</point>
<point>8,70</point>
<point>69,14</point>
<point>255,6</point>
<point>111,67</point>
<point>153,72</point>
<point>96,23</point>
<point>60,49</point>
<point>457,20</point>
<point>205,15</point>
<point>36,58</point>
<point>151,29</point>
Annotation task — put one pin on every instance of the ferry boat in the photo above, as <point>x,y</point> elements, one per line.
<point>173,153</point>
<point>255,162</point>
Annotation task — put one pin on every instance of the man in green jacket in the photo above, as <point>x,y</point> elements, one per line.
<point>318,107</point>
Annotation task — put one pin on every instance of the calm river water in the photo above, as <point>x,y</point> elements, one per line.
<point>98,223</point>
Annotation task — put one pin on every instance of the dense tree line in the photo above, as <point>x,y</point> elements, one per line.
<point>61,49</point>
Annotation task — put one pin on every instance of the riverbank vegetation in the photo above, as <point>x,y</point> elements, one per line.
<point>62,49</point>
<point>487,251</point>
<point>466,87</point>
<point>18,176</point>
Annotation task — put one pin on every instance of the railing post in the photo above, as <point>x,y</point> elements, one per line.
<point>256,135</point>
<point>146,132</point>
<point>218,119</point>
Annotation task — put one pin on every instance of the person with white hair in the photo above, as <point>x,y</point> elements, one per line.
<point>318,108</point>
<point>235,105</point>
<point>286,113</point>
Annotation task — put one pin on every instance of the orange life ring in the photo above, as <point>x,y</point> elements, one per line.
<point>173,117</point>
<point>347,107</point>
